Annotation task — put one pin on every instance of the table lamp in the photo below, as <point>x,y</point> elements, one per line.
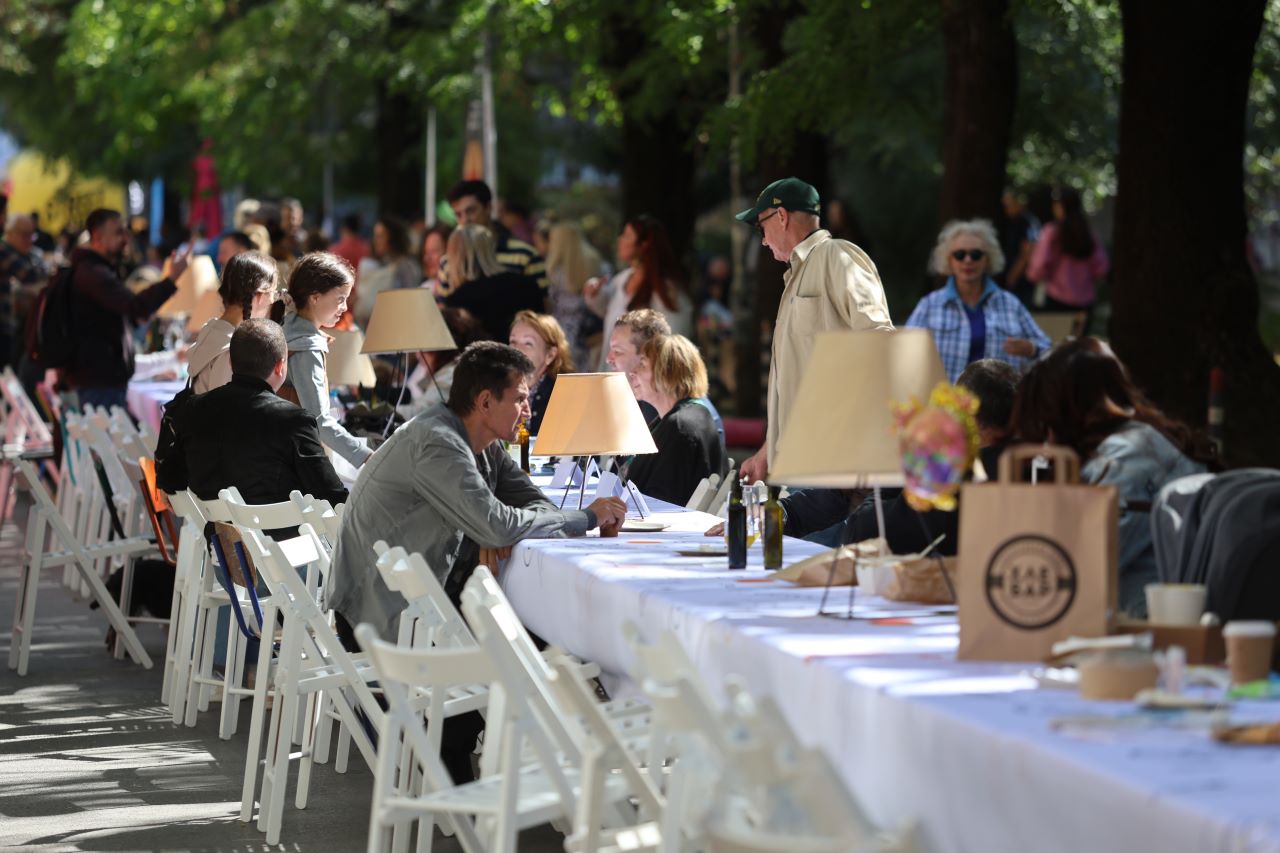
<point>405,321</point>
<point>346,364</point>
<point>197,294</point>
<point>592,414</point>
<point>1059,326</point>
<point>840,431</point>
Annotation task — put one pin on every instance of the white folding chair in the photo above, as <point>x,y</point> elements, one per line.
<point>64,548</point>
<point>703,494</point>
<point>529,716</point>
<point>720,501</point>
<point>310,661</point>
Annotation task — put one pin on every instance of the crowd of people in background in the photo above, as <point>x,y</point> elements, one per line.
<point>527,302</point>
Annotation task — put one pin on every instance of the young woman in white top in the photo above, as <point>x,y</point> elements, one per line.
<point>248,287</point>
<point>652,279</point>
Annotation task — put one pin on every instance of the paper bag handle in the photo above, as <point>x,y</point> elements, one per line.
<point>1066,468</point>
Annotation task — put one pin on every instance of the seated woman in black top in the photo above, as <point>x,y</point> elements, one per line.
<point>540,337</point>
<point>671,377</point>
<point>477,282</point>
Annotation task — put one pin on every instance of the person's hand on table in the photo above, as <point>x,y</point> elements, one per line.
<point>1020,347</point>
<point>609,512</point>
<point>755,468</point>
<point>491,557</point>
<point>715,530</point>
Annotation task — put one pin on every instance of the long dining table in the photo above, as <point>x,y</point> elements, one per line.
<point>978,755</point>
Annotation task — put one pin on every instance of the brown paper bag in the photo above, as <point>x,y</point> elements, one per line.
<point>1038,563</point>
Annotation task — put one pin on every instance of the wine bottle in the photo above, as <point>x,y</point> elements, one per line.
<point>773,530</point>
<point>737,527</point>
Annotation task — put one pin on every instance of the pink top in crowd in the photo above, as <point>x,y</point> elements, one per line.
<point>1067,279</point>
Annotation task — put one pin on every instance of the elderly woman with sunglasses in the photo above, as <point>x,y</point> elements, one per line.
<point>972,317</point>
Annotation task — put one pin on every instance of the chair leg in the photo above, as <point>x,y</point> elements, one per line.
<point>126,604</point>
<point>382,833</point>
<point>313,705</point>
<point>324,733</point>
<point>256,719</point>
<point>274,811</point>
<point>230,679</point>
<point>25,605</point>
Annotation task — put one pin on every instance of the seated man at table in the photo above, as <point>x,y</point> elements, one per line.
<point>241,434</point>
<point>443,486</point>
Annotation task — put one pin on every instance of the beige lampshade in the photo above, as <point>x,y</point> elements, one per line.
<point>840,432</point>
<point>407,321</point>
<point>1059,326</point>
<point>209,306</point>
<point>346,364</point>
<point>593,413</point>
<point>199,280</point>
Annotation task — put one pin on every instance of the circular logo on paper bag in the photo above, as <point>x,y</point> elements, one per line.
<point>1031,582</point>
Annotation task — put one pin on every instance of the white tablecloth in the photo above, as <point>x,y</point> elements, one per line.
<point>965,748</point>
<point>147,399</point>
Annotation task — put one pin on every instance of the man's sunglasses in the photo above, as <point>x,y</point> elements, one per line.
<point>972,254</point>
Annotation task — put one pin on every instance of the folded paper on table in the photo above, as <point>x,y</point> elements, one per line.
<point>831,568</point>
<point>920,579</point>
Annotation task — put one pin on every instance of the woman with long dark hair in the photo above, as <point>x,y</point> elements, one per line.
<point>1081,396</point>
<point>652,279</point>
<point>247,290</point>
<point>1068,258</point>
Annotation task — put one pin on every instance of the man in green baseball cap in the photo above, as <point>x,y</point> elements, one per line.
<point>829,285</point>
<point>790,193</point>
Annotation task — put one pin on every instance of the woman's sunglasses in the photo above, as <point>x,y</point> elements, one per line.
<point>972,254</point>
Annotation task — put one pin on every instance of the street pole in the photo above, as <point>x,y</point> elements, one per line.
<point>429,192</point>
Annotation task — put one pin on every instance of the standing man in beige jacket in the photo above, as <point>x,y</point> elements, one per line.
<point>831,285</point>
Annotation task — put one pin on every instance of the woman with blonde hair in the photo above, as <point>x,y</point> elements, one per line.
<point>479,284</point>
<point>571,261</point>
<point>671,377</point>
<point>540,337</point>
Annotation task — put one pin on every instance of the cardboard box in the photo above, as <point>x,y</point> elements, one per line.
<point>1203,645</point>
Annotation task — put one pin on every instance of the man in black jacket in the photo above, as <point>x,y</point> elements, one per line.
<point>104,310</point>
<point>241,434</point>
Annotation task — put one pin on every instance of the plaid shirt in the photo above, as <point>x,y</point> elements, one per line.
<point>942,313</point>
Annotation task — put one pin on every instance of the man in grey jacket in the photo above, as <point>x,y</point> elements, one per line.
<point>443,486</point>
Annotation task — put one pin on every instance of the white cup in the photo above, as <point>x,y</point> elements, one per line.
<point>1175,603</point>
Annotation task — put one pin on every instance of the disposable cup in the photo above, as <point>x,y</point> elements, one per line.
<point>1175,603</point>
<point>1249,650</point>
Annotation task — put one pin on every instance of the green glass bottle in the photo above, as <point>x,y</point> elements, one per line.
<point>773,530</point>
<point>736,528</point>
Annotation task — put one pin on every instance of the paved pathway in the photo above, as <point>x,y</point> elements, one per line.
<point>90,760</point>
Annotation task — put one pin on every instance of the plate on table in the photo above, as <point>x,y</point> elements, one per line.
<point>639,526</point>
<point>708,550</point>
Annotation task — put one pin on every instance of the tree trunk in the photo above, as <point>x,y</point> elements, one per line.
<point>803,155</point>
<point>658,166</point>
<point>981,89</point>
<point>1184,298</point>
<point>398,137</point>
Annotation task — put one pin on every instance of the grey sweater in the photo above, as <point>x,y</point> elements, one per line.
<point>427,491</point>
<point>308,348</point>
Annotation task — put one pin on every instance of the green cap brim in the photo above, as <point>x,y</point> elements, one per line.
<point>749,215</point>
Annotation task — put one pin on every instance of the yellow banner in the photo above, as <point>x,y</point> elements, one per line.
<point>51,189</point>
